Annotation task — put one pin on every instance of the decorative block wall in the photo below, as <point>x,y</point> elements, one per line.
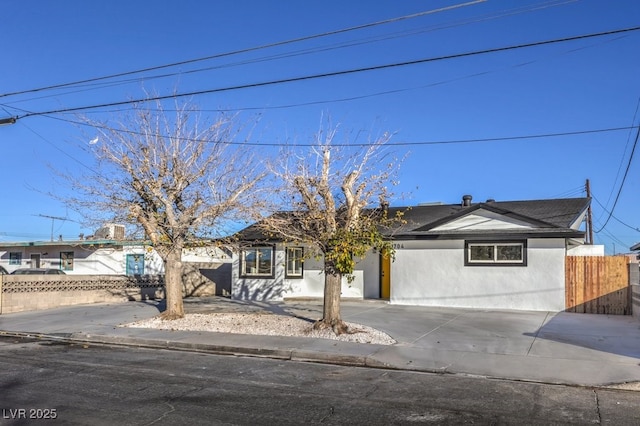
<point>33,292</point>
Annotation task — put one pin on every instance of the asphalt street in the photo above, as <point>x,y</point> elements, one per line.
<point>536,346</point>
<point>102,385</point>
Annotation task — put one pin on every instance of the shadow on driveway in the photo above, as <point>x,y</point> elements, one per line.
<point>614,334</point>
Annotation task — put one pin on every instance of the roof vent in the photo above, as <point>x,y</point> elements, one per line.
<point>466,200</point>
<point>491,200</point>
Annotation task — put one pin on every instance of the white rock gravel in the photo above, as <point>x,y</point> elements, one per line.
<point>263,324</point>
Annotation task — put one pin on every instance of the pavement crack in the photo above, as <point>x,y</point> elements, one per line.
<point>172,408</point>
<point>597,401</point>
<point>438,327</point>
<point>165,414</point>
<point>371,391</point>
<point>331,413</point>
<point>376,308</point>
<point>535,336</point>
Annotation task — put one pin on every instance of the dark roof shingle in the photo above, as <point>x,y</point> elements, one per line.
<point>552,217</point>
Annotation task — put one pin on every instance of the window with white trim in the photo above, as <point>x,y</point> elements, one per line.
<point>257,262</point>
<point>66,260</point>
<point>294,262</point>
<point>496,253</point>
<point>15,258</point>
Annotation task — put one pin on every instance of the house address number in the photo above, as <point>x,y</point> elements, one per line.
<point>397,246</point>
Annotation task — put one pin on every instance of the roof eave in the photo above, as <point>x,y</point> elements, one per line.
<point>491,207</point>
<point>102,242</point>
<point>493,235</point>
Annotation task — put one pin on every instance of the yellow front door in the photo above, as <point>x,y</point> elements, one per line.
<point>385,276</point>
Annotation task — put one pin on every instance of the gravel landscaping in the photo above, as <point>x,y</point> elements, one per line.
<point>263,324</point>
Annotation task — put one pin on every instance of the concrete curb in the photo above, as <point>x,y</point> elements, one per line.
<point>289,354</point>
<point>371,358</point>
<point>284,354</point>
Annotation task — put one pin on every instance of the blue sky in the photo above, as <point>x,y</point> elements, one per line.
<point>582,87</point>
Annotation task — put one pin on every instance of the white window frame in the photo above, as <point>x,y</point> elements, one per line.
<point>255,272</point>
<point>15,258</point>
<point>294,257</point>
<point>67,260</point>
<point>495,261</point>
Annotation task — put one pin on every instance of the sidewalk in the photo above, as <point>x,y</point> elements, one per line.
<point>548,347</point>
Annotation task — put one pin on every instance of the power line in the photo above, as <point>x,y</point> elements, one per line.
<point>335,73</point>
<point>505,138</point>
<point>345,99</point>
<point>615,240</point>
<point>394,144</point>
<point>571,193</point>
<point>58,148</point>
<point>624,178</point>
<point>611,216</point>
<point>633,120</point>
<point>95,86</point>
<point>250,49</point>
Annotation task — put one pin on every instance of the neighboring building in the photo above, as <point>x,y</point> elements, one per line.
<point>83,257</point>
<point>205,270</point>
<point>99,255</point>
<point>498,255</point>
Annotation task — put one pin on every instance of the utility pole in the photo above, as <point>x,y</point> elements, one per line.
<point>53,218</point>
<point>589,218</point>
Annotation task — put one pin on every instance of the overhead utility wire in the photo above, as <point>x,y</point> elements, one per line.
<point>615,240</point>
<point>335,73</point>
<point>571,193</point>
<point>250,49</point>
<point>354,97</point>
<point>56,147</point>
<point>538,136</point>
<point>94,86</point>
<point>624,178</point>
<point>102,85</point>
<point>635,115</point>
<point>612,216</point>
<point>394,144</point>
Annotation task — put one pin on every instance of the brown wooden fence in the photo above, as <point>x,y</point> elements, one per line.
<point>597,285</point>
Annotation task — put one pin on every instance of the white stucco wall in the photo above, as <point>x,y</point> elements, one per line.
<point>432,273</point>
<point>278,287</point>
<point>312,282</point>
<point>86,261</point>
<point>206,254</point>
<point>586,250</point>
<point>370,267</point>
<point>105,260</point>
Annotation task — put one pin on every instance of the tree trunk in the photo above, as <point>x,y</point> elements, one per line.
<point>331,310</point>
<point>173,284</point>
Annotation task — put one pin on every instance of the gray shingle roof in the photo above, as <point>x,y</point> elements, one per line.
<point>552,217</point>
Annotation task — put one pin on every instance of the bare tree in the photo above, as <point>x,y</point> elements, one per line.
<point>332,204</point>
<point>174,176</point>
